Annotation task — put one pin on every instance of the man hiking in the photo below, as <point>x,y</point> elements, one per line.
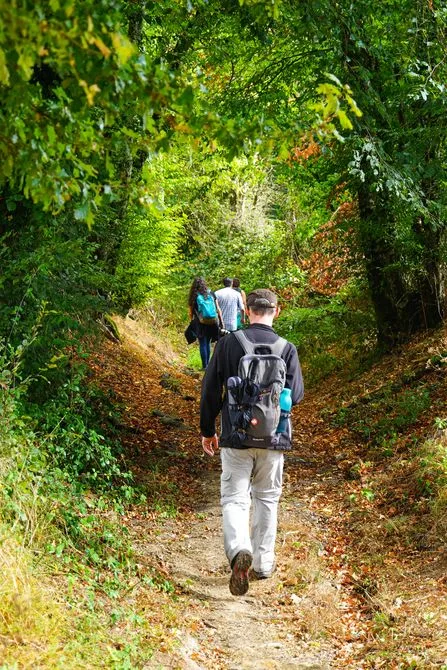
<point>253,378</point>
<point>230,303</point>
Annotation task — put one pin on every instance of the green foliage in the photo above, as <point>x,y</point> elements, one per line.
<point>432,470</point>
<point>260,77</point>
<point>201,138</point>
<point>431,481</point>
<point>56,449</point>
<point>237,219</point>
<point>311,188</point>
<point>332,334</point>
<point>74,94</point>
<point>49,484</point>
<point>334,94</point>
<point>193,358</point>
<point>78,97</point>
<point>51,285</point>
<point>394,150</point>
<point>70,424</point>
<point>379,416</point>
<point>147,253</point>
<point>396,162</point>
<point>52,521</point>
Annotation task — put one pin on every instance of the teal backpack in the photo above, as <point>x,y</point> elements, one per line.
<point>206,309</point>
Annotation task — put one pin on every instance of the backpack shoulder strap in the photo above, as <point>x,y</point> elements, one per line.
<point>276,347</point>
<point>247,346</point>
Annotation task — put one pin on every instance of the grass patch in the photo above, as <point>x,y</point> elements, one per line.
<point>431,481</point>
<point>378,417</point>
<point>33,622</point>
<point>193,359</point>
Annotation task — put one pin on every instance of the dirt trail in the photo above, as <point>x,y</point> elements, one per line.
<point>275,626</point>
<point>317,612</point>
<point>243,632</point>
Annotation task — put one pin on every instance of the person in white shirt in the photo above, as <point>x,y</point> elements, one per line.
<point>230,303</point>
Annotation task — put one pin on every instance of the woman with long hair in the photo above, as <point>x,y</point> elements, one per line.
<point>207,328</point>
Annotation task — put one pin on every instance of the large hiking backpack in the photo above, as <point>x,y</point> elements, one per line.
<point>206,309</point>
<point>254,396</point>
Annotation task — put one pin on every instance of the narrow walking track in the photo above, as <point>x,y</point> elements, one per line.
<point>311,614</point>
<point>241,632</point>
<point>258,631</point>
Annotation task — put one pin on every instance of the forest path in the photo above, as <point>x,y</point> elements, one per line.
<point>249,632</point>
<point>316,612</point>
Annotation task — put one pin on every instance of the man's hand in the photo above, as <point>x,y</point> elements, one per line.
<point>210,445</point>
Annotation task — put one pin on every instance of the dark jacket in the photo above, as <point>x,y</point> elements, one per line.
<point>191,332</point>
<point>224,363</point>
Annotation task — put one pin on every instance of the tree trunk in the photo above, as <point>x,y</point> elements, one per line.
<point>404,303</point>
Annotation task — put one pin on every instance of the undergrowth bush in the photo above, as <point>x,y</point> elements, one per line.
<point>76,428</point>
<point>432,477</point>
<point>378,417</point>
<point>50,456</point>
<point>431,484</point>
<point>62,492</point>
<point>334,334</point>
<point>52,292</point>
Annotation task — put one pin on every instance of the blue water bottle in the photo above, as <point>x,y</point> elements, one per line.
<point>285,403</point>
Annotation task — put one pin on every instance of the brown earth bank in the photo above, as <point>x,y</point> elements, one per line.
<point>361,579</point>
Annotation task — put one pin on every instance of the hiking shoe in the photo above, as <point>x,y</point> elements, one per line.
<point>264,574</point>
<point>239,573</point>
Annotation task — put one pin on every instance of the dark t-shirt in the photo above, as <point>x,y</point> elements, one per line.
<point>224,363</point>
